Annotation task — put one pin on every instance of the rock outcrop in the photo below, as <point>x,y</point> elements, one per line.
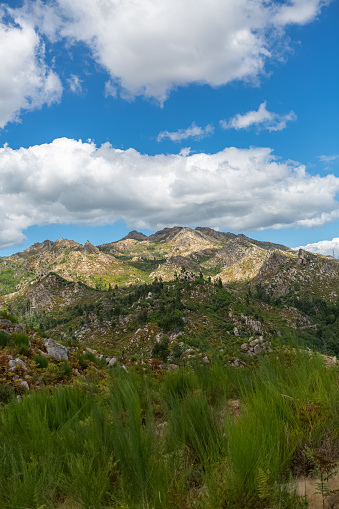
<point>56,350</point>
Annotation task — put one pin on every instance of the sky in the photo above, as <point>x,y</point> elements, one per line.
<point>145,114</point>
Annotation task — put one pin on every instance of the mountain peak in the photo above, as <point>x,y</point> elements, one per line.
<point>88,248</point>
<point>165,234</point>
<point>215,234</point>
<point>135,235</point>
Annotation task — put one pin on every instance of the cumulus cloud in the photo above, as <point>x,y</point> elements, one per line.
<point>324,247</point>
<point>150,47</point>
<point>262,119</point>
<point>69,181</point>
<point>193,131</point>
<point>26,82</point>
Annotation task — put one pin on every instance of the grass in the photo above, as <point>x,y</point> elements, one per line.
<point>174,441</point>
<point>17,340</point>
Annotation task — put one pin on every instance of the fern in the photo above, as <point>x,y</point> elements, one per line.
<point>325,469</point>
<point>263,484</point>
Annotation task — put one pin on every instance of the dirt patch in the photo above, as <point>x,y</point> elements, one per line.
<point>306,487</point>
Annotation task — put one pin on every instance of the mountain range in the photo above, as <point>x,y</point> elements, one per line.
<point>138,258</point>
<point>104,294</point>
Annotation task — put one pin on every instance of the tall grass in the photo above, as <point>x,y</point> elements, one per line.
<point>169,442</point>
<point>288,404</point>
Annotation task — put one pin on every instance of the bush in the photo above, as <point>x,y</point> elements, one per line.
<point>52,374</point>
<point>6,394</point>
<point>82,361</point>
<point>8,316</point>
<point>177,352</point>
<point>18,340</point>
<point>21,342</point>
<point>161,349</point>
<point>66,368</point>
<point>41,361</point>
<point>5,339</point>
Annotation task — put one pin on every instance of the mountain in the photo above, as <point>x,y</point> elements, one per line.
<point>302,274</point>
<point>137,257</point>
<point>71,260</point>
<point>116,295</point>
<point>201,249</point>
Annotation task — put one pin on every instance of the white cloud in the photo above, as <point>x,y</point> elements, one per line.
<point>150,47</point>
<point>328,159</point>
<point>262,119</point>
<point>193,131</point>
<point>110,89</point>
<point>74,83</point>
<point>70,181</point>
<point>299,11</point>
<point>185,151</point>
<point>325,247</point>
<point>26,83</point>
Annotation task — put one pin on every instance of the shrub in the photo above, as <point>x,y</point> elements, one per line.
<point>52,374</point>
<point>66,368</point>
<point>41,361</point>
<point>161,349</point>
<point>177,351</point>
<point>6,394</point>
<point>8,316</point>
<point>21,342</point>
<point>5,339</point>
<point>82,361</point>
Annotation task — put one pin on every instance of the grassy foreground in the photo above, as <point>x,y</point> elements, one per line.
<point>200,437</point>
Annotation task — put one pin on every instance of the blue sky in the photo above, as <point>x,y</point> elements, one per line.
<point>139,115</point>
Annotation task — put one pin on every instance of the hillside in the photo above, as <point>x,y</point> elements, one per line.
<point>112,295</point>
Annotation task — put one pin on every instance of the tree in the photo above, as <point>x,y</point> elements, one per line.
<point>161,349</point>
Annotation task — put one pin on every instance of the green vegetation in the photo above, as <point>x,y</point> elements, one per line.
<point>205,436</point>
<point>17,340</point>
<point>324,313</point>
<point>7,316</point>
<point>161,350</point>
<point>41,361</point>
<point>8,280</point>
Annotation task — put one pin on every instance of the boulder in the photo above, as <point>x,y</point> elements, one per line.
<point>12,364</point>
<point>55,349</point>
<point>5,322</point>
<point>16,362</point>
